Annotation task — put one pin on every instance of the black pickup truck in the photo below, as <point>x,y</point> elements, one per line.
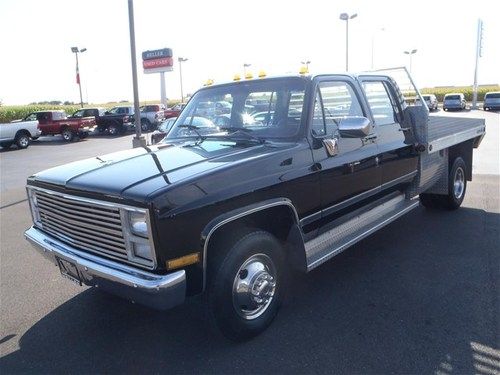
<point>115,120</point>
<point>229,211</point>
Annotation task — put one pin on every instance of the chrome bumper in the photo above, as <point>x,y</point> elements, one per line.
<point>157,291</point>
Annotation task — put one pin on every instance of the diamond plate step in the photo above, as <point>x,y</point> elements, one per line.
<point>336,240</point>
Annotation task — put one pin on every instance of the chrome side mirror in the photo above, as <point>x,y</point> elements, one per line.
<point>354,127</point>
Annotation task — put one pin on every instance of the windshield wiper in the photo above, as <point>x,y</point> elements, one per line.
<point>236,132</point>
<point>193,128</point>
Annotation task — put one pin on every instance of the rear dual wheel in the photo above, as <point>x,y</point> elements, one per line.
<point>457,184</point>
<point>246,285</point>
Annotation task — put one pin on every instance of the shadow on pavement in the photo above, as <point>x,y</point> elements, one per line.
<point>417,297</point>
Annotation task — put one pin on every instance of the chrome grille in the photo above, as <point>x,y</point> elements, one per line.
<point>87,226</point>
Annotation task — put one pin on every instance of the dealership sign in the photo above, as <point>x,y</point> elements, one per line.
<point>157,61</point>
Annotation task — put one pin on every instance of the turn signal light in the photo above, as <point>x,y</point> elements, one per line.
<point>183,261</point>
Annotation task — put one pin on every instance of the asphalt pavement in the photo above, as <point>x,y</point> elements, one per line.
<point>419,296</point>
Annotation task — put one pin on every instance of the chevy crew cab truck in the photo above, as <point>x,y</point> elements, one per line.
<point>230,211</point>
<point>18,132</point>
<point>58,122</point>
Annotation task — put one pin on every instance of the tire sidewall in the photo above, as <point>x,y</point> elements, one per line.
<point>69,137</point>
<point>455,202</point>
<point>220,291</point>
<point>19,138</point>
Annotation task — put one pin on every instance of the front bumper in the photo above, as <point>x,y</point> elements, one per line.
<point>156,291</point>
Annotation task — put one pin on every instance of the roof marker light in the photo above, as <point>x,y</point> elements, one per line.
<point>236,77</point>
<point>262,74</point>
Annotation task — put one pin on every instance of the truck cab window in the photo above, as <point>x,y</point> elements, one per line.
<point>380,103</point>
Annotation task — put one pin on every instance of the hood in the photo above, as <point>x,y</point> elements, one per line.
<point>136,173</point>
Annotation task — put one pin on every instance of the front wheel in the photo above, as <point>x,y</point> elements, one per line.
<point>246,285</point>
<point>113,130</point>
<point>145,125</point>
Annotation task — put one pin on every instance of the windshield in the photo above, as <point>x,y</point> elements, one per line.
<point>266,109</point>
<point>452,97</point>
<point>78,113</point>
<point>493,95</point>
<point>426,97</point>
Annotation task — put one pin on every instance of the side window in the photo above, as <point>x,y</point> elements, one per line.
<point>339,100</point>
<point>380,103</point>
<point>318,123</point>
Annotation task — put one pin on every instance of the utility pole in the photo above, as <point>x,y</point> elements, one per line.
<point>181,60</point>
<point>479,53</point>
<point>138,140</point>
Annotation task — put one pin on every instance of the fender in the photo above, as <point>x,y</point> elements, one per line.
<point>233,215</point>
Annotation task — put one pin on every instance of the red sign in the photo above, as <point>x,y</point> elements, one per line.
<point>157,63</point>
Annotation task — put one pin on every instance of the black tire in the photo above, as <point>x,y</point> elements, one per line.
<point>239,316</point>
<point>145,125</point>
<point>68,134</point>
<point>23,140</point>
<point>457,185</point>
<point>113,130</point>
<point>6,144</point>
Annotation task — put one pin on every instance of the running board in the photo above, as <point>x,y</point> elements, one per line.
<point>336,240</point>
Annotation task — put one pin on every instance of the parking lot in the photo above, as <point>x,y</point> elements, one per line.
<point>428,306</point>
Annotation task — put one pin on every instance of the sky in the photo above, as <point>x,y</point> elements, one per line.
<point>219,36</point>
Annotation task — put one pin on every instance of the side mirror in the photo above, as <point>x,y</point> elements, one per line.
<point>354,127</point>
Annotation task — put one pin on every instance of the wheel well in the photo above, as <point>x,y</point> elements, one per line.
<point>280,221</point>
<point>463,150</point>
<point>21,132</point>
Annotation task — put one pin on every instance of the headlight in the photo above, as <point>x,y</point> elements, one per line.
<point>138,224</point>
<point>136,228</point>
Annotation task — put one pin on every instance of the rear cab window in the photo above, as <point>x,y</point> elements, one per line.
<point>382,104</point>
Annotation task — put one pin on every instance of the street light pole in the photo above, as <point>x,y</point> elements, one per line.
<point>346,17</point>
<point>138,140</point>
<point>410,53</point>
<point>75,50</point>
<point>181,60</point>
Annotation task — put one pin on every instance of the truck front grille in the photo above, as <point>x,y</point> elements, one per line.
<point>88,226</point>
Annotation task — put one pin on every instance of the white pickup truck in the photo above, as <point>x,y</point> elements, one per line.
<point>19,132</point>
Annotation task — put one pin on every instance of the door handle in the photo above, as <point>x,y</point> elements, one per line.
<point>404,129</point>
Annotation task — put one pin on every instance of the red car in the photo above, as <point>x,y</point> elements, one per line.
<point>175,110</point>
<point>57,122</point>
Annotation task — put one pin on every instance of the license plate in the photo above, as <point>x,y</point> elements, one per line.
<point>69,271</point>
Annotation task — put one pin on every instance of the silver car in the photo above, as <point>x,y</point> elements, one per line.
<point>431,101</point>
<point>491,101</point>
<point>454,101</point>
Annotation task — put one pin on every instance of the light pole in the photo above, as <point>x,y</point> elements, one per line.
<point>181,60</point>
<point>345,17</point>
<point>138,140</point>
<point>410,53</point>
<point>306,63</point>
<point>245,66</point>
<point>75,50</point>
<point>373,45</point>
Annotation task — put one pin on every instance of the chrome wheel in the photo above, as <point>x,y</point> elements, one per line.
<point>459,183</point>
<point>67,135</point>
<point>24,141</point>
<point>254,286</point>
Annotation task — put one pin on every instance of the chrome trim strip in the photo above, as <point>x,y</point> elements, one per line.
<point>398,180</point>
<point>157,291</point>
<point>238,216</point>
<point>338,206</point>
<point>358,238</point>
<point>122,212</point>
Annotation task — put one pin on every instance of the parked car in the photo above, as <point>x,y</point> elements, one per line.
<point>491,101</point>
<point>151,116</point>
<point>431,101</point>
<point>19,132</point>
<point>116,120</point>
<point>162,130</point>
<point>230,212</point>
<point>58,122</point>
<point>174,111</point>
<point>454,101</point>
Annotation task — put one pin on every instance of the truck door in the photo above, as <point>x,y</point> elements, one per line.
<point>397,160</point>
<point>350,174</point>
